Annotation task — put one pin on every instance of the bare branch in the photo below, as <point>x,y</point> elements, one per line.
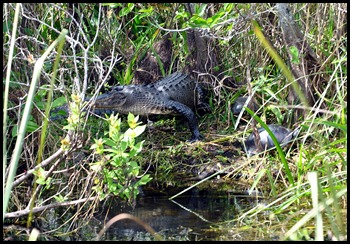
<point>42,164</point>
<point>43,208</point>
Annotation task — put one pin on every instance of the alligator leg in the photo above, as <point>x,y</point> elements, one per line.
<point>182,109</point>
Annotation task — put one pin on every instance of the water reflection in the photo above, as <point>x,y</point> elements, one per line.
<point>187,217</point>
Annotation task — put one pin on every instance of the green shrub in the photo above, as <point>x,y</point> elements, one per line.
<point>116,166</point>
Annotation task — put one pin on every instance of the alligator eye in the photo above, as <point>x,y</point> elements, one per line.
<point>118,88</point>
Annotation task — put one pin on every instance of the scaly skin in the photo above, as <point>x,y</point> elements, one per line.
<point>175,94</point>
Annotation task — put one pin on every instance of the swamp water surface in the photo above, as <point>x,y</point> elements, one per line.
<point>188,217</point>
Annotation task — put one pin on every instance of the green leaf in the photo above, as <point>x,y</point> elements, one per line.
<point>41,93</point>
<point>228,7</point>
<point>68,127</point>
<point>112,5</point>
<point>32,126</point>
<point>277,112</point>
<point>199,21</point>
<point>14,131</point>
<point>215,19</point>
<point>112,151</point>
<point>144,180</point>
<point>295,54</point>
<point>200,9</point>
<point>147,10</point>
<point>59,102</point>
<point>114,135</point>
<point>110,142</point>
<point>123,145</point>
<point>41,181</point>
<point>129,135</point>
<point>126,10</point>
<point>344,128</point>
<point>270,92</point>
<point>139,17</point>
<point>117,162</point>
<point>131,6</point>
<point>182,15</point>
<point>133,164</point>
<point>127,193</point>
<point>60,198</point>
<point>131,120</point>
<point>137,148</point>
<point>139,130</point>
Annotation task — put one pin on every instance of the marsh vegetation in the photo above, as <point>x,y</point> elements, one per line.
<point>289,59</point>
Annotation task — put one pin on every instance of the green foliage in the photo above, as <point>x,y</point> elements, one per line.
<point>126,10</point>
<point>295,54</point>
<point>60,198</point>
<point>199,20</point>
<point>116,165</point>
<point>31,127</point>
<point>278,147</point>
<point>38,67</point>
<point>131,29</point>
<point>327,163</point>
<point>74,119</point>
<point>278,60</point>
<point>39,100</point>
<point>274,92</point>
<point>41,177</point>
<point>58,102</point>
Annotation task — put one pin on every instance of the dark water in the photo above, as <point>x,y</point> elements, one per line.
<point>187,217</point>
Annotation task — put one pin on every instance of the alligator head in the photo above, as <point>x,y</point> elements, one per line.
<point>112,99</point>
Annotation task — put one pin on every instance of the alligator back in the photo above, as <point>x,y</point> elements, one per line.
<point>153,98</point>
<point>179,87</point>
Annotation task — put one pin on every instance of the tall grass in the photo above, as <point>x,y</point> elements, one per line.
<point>321,175</point>
<point>26,113</point>
<point>22,129</point>
<point>7,85</point>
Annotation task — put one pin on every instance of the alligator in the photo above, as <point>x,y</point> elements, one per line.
<point>176,94</point>
<point>282,134</point>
